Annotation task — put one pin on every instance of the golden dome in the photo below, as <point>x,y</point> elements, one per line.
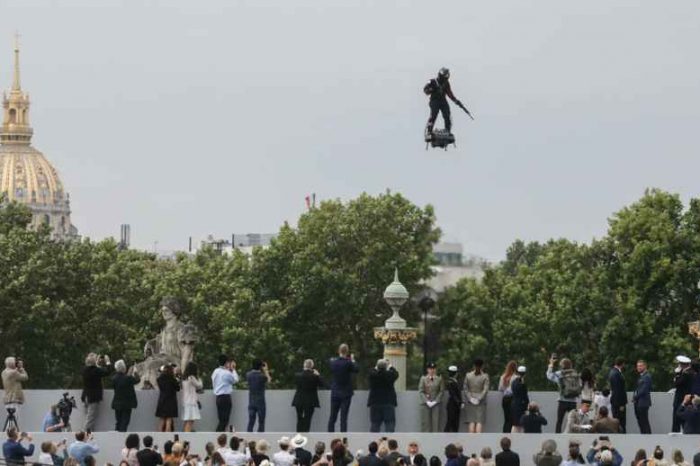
<point>25,174</point>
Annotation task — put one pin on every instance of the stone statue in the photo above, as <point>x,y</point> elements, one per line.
<point>173,345</point>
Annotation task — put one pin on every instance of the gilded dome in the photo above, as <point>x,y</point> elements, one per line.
<point>25,175</point>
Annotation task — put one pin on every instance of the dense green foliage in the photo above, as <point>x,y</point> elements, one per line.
<point>630,293</point>
<point>315,287</point>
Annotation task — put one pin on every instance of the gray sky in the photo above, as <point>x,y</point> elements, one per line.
<point>190,118</point>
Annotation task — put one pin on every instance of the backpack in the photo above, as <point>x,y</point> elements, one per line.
<point>570,383</point>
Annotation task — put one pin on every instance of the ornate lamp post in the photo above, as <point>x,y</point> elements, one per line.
<point>395,335</point>
<point>694,327</point>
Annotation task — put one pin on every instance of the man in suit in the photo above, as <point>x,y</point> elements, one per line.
<point>342,369</point>
<point>305,399</point>
<point>683,383</point>
<point>618,393</point>
<point>382,397</point>
<point>392,458</point>
<point>371,459</point>
<point>507,457</point>
<point>642,398</point>
<point>303,456</point>
<point>430,388</point>
<point>149,456</point>
<point>579,420</point>
<point>604,424</point>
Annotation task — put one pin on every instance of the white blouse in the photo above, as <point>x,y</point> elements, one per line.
<point>189,390</point>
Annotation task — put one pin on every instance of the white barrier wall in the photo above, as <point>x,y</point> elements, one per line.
<point>281,416</point>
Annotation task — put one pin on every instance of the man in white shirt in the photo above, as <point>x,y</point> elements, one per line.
<point>283,457</point>
<point>232,456</point>
<point>223,379</point>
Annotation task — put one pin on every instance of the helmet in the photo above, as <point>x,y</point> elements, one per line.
<point>444,73</point>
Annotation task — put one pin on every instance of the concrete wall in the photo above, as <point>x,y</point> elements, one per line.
<point>525,445</point>
<point>281,417</point>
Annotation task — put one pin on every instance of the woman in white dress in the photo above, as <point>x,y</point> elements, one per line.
<point>191,387</point>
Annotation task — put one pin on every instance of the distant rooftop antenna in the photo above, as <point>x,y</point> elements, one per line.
<point>125,236</point>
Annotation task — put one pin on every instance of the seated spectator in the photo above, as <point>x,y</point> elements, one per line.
<point>149,456</point>
<point>262,448</point>
<point>435,461</point>
<point>303,456</point>
<point>532,421</point>
<point>451,455</point>
<point>393,457</point>
<point>176,455</point>
<point>283,457</point>
<point>657,457</point>
<point>339,454</point>
<point>415,457</point>
<point>507,457</point>
<point>689,413</point>
<point>486,457</point>
<point>232,456</point>
<point>49,453</point>
<point>217,460</point>
<point>83,447</point>
<point>604,423</point>
<point>90,461</point>
<point>640,458</point>
<point>602,453</point>
<point>131,449</point>
<point>579,420</point>
<point>548,454</point>
<point>13,450</point>
<point>678,459</point>
<point>472,462</point>
<point>371,458</point>
<point>319,452</point>
<point>575,457</point>
<point>461,458</point>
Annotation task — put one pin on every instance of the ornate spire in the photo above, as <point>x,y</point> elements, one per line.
<point>15,123</point>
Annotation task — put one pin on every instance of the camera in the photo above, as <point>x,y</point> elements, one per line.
<point>11,410</point>
<point>64,408</point>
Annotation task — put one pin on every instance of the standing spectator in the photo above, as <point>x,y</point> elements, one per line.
<point>166,409</point>
<point>521,400</point>
<point>658,457</point>
<point>415,457</point>
<point>640,458</point>
<point>618,393</point>
<point>394,455</point>
<point>382,396</point>
<point>569,382</point>
<point>131,448</point>
<point>430,388</point>
<point>454,400</point>
<point>505,389</point>
<point>689,414</point>
<point>575,457</point>
<point>678,459</point>
<point>82,447</point>
<point>476,389</point>
<point>371,458</point>
<point>124,395</point>
<point>305,401</point>
<point>192,385</point>
<point>486,457</point>
<point>49,453</point>
<point>262,448</point>
<point>283,457</point>
<point>548,455</point>
<point>642,398</point>
<point>532,421</point>
<point>507,457</point>
<point>233,456</point>
<point>12,377</point>
<point>257,379</point>
<point>96,368</point>
<point>451,455</point>
<point>604,424</point>
<point>223,379</point>
<point>149,456</point>
<point>683,383</point>
<point>602,399</point>
<point>587,385</point>
<point>320,450</point>
<point>603,454</point>
<point>13,451</point>
<point>342,369</point>
<point>298,443</point>
<point>580,421</point>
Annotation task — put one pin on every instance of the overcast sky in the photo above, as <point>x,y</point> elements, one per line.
<point>198,117</point>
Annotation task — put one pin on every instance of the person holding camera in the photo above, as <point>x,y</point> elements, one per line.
<point>83,447</point>
<point>124,400</point>
<point>305,400</point>
<point>602,453</point>
<point>192,386</point>
<point>689,414</point>
<point>49,453</point>
<point>258,378</point>
<point>96,368</point>
<point>13,450</point>
<point>52,421</point>
<point>342,369</point>
<point>166,409</point>
<point>223,379</point>
<point>532,421</point>
<point>575,457</point>
<point>382,396</point>
<point>12,377</point>
<point>570,386</point>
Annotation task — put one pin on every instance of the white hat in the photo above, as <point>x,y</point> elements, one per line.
<point>452,369</point>
<point>522,369</point>
<point>298,441</point>
<point>283,441</point>
<point>683,359</point>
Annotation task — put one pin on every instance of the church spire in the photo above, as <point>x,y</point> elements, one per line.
<point>15,127</point>
<point>15,79</point>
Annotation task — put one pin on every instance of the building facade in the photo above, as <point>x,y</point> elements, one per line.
<point>26,176</point>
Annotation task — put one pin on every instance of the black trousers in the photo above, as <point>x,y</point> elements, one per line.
<point>620,415</point>
<point>507,414</point>
<point>562,410</point>
<point>342,406</point>
<point>382,414</point>
<point>123,417</point>
<point>439,106</point>
<point>453,411</point>
<point>223,411</point>
<point>304,415</point>
<point>677,421</point>
<point>642,415</point>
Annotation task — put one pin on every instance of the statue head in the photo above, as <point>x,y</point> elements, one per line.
<point>170,307</point>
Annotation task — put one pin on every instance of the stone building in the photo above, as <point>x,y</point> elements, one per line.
<point>25,174</point>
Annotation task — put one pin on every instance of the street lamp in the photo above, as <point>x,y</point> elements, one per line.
<point>428,298</point>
